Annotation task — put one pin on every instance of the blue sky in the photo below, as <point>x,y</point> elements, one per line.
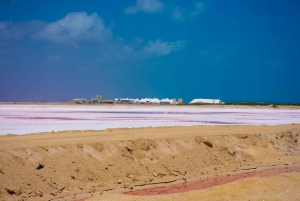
<point>233,50</point>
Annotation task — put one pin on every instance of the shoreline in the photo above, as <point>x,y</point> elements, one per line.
<point>150,105</point>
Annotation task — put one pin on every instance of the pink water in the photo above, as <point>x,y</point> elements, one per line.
<point>25,119</point>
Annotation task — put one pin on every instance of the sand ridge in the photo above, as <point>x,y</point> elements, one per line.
<point>76,164</point>
<point>88,136</point>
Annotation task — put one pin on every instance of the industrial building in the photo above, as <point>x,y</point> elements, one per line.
<point>79,100</point>
<point>206,101</point>
<point>164,101</point>
<point>125,101</point>
<point>149,101</point>
<point>142,101</point>
<point>97,99</point>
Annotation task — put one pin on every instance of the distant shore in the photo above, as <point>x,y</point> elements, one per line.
<point>252,105</point>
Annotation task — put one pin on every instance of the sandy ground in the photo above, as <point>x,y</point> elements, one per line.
<point>72,165</point>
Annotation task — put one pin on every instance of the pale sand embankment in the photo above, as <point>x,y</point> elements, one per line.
<point>71,165</point>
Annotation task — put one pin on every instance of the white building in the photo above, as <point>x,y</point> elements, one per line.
<point>206,101</point>
<point>125,100</point>
<point>149,101</point>
<point>166,101</point>
<point>79,100</point>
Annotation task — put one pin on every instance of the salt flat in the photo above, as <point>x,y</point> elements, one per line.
<point>25,119</point>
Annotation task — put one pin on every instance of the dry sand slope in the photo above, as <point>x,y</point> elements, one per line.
<point>72,165</point>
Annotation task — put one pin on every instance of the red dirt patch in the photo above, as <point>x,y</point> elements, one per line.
<point>215,181</point>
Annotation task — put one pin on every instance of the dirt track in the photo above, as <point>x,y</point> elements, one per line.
<point>76,164</point>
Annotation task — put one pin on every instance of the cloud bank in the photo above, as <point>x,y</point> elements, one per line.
<point>80,29</point>
<point>147,6</point>
<point>73,27</point>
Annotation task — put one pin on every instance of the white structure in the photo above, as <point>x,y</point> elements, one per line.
<point>79,100</point>
<point>125,101</point>
<point>206,101</point>
<point>163,101</point>
<point>149,101</point>
<point>166,101</point>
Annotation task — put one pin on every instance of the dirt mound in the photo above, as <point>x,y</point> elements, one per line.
<point>73,171</point>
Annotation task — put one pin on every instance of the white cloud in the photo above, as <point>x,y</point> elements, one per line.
<point>80,29</point>
<point>147,6</point>
<point>189,12</point>
<point>159,48</point>
<point>75,26</point>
